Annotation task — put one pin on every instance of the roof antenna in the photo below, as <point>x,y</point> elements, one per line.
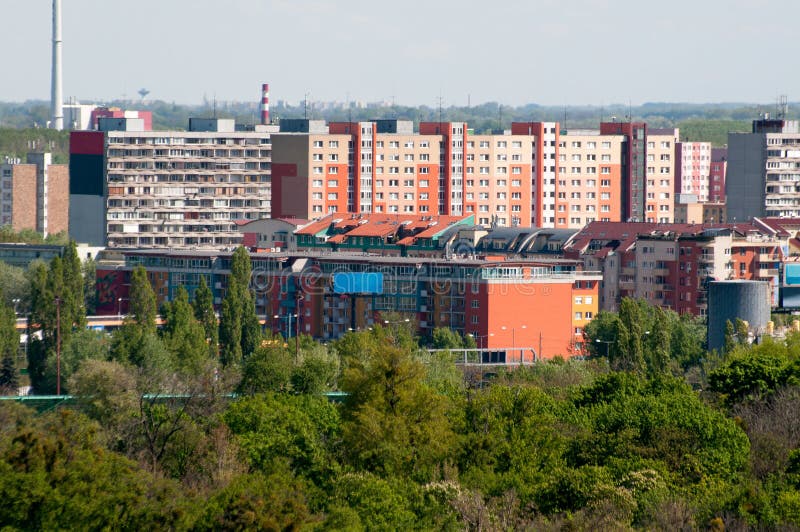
<point>215,106</point>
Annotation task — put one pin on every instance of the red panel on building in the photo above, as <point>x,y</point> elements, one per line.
<point>86,142</point>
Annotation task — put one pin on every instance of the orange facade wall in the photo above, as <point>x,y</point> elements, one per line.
<point>527,315</point>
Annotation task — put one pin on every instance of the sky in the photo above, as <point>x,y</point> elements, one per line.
<point>412,52</point>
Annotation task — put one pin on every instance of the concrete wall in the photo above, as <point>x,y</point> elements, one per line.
<point>87,219</point>
<point>744,185</point>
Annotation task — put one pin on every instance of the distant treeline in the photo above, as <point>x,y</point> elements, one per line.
<point>708,122</point>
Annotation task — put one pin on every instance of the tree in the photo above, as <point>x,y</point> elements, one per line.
<point>90,286</point>
<point>268,369</point>
<point>142,301</point>
<point>183,335</point>
<point>742,331</point>
<point>730,337</point>
<point>394,422</point>
<point>204,313</point>
<point>659,352</point>
<point>73,297</point>
<point>240,330</point>
<point>9,379</point>
<point>629,341</point>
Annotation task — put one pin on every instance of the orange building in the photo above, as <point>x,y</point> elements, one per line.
<point>385,167</point>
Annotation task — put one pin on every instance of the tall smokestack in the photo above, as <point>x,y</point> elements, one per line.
<point>56,98</point>
<point>265,104</point>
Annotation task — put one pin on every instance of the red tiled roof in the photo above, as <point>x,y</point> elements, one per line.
<point>381,225</point>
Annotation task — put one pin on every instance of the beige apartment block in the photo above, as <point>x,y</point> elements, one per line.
<point>660,174</point>
<point>183,189</point>
<point>589,184</point>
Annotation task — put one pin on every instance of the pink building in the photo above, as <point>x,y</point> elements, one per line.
<point>719,165</point>
<point>692,169</point>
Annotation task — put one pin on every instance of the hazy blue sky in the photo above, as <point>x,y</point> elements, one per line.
<point>544,51</point>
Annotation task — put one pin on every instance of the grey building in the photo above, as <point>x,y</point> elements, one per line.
<point>763,176</point>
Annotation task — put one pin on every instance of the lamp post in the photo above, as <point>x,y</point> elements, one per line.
<point>513,339</point>
<point>288,319</point>
<point>298,298</point>
<point>58,345</point>
<point>607,342</point>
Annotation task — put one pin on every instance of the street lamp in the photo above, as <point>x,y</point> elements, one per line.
<point>58,345</point>
<point>607,342</point>
<point>513,339</point>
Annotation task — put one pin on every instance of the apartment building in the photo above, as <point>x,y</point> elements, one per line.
<point>535,306</point>
<point>648,170</point>
<point>589,185</point>
<point>174,189</point>
<point>694,212</point>
<point>716,175</point>
<point>669,265</point>
<point>385,167</point>
<point>35,194</point>
<point>763,177</point>
<point>693,169</point>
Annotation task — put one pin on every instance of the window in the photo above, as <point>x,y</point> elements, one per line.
<point>317,143</point>
<point>333,144</point>
<point>333,196</point>
<point>316,195</point>
<point>318,170</point>
<point>333,156</point>
<point>316,157</point>
<point>501,144</point>
<point>423,182</point>
<point>333,183</point>
<point>333,170</point>
<point>605,144</point>
<point>316,183</point>
<point>578,316</point>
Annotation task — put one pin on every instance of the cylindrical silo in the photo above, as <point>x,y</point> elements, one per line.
<point>728,300</point>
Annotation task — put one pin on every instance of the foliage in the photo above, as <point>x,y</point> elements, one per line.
<point>394,422</point>
<point>240,330</point>
<point>142,308</point>
<point>300,431</point>
<point>203,305</point>
<point>183,335</point>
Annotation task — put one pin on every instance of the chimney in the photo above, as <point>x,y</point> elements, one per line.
<point>56,98</point>
<point>265,104</point>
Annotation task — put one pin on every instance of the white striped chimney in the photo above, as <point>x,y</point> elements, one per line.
<point>265,104</point>
<point>56,98</point>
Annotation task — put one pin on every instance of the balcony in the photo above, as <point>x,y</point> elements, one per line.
<point>768,272</point>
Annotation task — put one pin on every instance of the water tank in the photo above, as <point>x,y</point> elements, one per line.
<point>728,300</point>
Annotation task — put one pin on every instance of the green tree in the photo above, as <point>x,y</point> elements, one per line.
<point>268,369</point>
<point>183,335</point>
<point>204,313</point>
<point>730,337</point>
<point>9,377</point>
<point>142,301</point>
<point>89,269</point>
<point>73,297</point>
<point>660,338</point>
<point>240,330</point>
<point>394,422</point>
<point>298,431</point>
<point>257,502</point>
<point>742,331</point>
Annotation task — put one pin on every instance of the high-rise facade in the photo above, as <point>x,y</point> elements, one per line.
<point>763,176</point>
<point>174,189</point>
<point>35,194</point>
<point>385,167</point>
<point>693,169</point>
<point>536,175</point>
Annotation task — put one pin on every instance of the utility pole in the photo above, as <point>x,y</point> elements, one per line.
<point>58,345</point>
<point>298,299</point>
